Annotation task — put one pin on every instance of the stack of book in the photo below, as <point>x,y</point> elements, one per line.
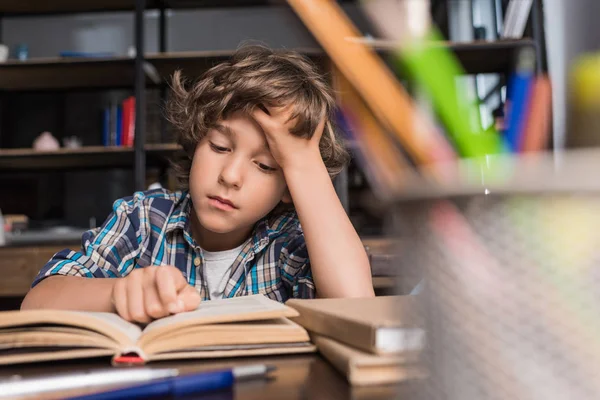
<point>371,341</point>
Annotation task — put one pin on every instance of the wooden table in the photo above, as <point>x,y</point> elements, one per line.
<point>296,377</point>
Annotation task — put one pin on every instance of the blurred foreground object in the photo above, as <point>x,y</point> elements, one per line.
<point>377,85</point>
<point>512,271</point>
<point>584,102</point>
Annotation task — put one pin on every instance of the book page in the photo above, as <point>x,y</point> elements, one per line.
<point>107,324</point>
<point>245,308</point>
<point>131,331</point>
<point>243,347</point>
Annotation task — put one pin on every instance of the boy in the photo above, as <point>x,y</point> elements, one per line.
<point>257,203</point>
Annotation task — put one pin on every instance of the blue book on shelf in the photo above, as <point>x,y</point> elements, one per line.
<point>119,126</point>
<point>106,126</point>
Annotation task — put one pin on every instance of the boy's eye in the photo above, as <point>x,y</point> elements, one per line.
<point>266,168</point>
<point>218,149</point>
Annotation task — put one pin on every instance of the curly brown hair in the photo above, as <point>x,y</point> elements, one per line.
<point>255,75</point>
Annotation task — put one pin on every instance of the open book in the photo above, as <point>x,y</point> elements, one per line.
<point>240,326</point>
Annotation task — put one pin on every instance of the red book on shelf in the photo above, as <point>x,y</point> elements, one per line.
<point>128,121</point>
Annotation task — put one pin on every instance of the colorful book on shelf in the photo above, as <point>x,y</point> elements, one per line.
<point>128,125</point>
<point>235,327</point>
<point>118,123</point>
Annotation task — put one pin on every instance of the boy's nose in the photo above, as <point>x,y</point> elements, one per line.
<point>232,174</point>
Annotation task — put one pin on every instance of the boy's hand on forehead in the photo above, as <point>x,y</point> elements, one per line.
<point>153,292</point>
<point>289,151</point>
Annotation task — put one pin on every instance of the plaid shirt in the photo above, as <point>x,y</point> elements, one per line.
<point>152,228</point>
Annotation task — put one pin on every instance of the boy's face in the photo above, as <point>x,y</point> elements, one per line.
<point>234,182</point>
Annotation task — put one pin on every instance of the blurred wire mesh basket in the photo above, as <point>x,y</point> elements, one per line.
<point>512,278</point>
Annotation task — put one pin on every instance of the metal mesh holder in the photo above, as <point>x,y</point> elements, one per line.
<point>511,294</point>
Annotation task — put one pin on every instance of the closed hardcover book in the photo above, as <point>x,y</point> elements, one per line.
<point>364,369</point>
<point>379,325</point>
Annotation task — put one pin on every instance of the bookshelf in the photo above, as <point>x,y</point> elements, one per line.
<point>152,70</point>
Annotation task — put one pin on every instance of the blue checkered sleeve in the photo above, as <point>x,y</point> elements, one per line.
<point>107,252</point>
<point>295,269</point>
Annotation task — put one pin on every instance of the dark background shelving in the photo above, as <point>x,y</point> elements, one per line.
<point>55,86</point>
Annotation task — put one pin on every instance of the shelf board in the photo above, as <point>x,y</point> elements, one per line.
<point>477,57</point>
<point>84,158</point>
<point>489,57</point>
<point>68,73</point>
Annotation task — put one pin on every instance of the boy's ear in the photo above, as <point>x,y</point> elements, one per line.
<point>287,197</point>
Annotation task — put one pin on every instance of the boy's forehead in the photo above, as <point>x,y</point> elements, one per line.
<point>238,123</point>
<point>242,127</point>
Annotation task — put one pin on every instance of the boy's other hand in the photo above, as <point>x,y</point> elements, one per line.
<point>153,292</point>
<point>289,151</point>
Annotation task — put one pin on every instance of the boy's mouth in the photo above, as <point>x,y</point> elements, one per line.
<point>221,203</point>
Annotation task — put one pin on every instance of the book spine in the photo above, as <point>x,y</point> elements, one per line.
<point>131,130</point>
<point>119,126</point>
<point>106,126</point>
<point>113,125</point>
<point>126,122</point>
